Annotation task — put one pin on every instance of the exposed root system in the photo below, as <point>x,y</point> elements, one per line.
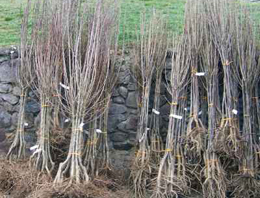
<point>229,141</point>
<point>18,179</point>
<point>214,185</point>
<point>17,148</point>
<point>245,186</point>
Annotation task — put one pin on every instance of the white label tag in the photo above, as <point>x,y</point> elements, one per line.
<point>234,111</point>
<point>176,116</point>
<point>98,131</point>
<point>185,109</point>
<point>156,112</point>
<point>26,124</point>
<point>37,151</point>
<point>67,120</point>
<point>200,74</point>
<point>34,147</point>
<point>64,86</point>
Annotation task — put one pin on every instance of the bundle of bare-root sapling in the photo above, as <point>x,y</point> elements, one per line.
<point>214,184</point>
<point>24,79</point>
<point>228,139</point>
<point>149,54</point>
<point>245,183</point>
<point>96,154</point>
<point>156,144</point>
<point>172,179</point>
<point>47,58</point>
<point>86,72</point>
<point>217,34</point>
<point>196,131</point>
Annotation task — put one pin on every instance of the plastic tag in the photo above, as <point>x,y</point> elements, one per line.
<point>234,111</point>
<point>200,74</point>
<point>156,112</point>
<point>98,131</point>
<point>64,86</point>
<point>37,151</point>
<point>176,116</point>
<point>34,147</point>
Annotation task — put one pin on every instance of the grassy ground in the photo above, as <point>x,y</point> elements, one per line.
<point>172,10</point>
<point>10,20</point>
<point>11,13</point>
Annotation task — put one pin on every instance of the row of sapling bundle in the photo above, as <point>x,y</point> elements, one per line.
<point>213,172</point>
<point>150,53</point>
<point>47,59</point>
<point>86,51</point>
<point>228,139</point>
<point>172,177</point>
<point>218,40</point>
<point>246,184</point>
<point>96,154</point>
<point>24,79</point>
<point>196,130</point>
<point>156,144</point>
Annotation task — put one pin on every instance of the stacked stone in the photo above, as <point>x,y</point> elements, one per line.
<point>10,96</point>
<point>123,113</point>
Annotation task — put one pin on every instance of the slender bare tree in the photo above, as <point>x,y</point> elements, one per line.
<point>47,59</point>
<point>86,46</point>
<point>172,178</point>
<point>150,54</point>
<point>25,77</point>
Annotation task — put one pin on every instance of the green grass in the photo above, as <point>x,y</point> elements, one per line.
<point>10,21</point>
<point>172,10</point>
<point>11,15</point>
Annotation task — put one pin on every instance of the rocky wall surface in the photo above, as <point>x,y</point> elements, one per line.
<point>123,112</point>
<point>9,100</point>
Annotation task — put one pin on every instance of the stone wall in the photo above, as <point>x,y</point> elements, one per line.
<point>123,112</point>
<point>9,100</point>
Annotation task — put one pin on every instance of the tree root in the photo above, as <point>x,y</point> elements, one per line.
<point>229,141</point>
<point>214,185</point>
<point>73,166</point>
<point>172,179</point>
<point>195,140</point>
<point>41,158</point>
<point>17,148</point>
<point>141,173</point>
<point>245,186</point>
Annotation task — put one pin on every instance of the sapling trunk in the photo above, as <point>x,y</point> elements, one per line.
<point>150,54</point>
<point>17,148</point>
<point>195,130</point>
<point>171,177</point>
<point>90,158</point>
<point>156,139</point>
<point>73,165</point>
<point>42,158</point>
<point>87,41</point>
<point>103,162</point>
<point>25,76</point>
